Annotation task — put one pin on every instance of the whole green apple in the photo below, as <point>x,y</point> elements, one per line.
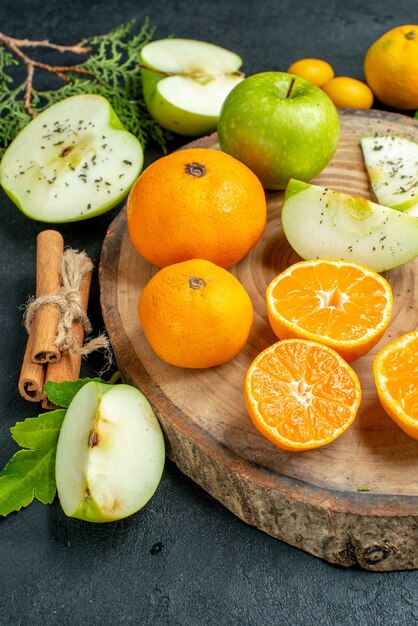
<point>280,126</point>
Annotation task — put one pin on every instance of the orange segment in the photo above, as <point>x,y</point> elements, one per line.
<point>341,304</point>
<point>300,394</point>
<point>395,371</point>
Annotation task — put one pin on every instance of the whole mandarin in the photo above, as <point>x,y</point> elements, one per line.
<point>391,67</point>
<point>316,71</point>
<point>196,203</point>
<point>349,92</point>
<point>195,314</point>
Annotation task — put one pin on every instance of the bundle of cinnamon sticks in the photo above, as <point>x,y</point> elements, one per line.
<point>45,358</point>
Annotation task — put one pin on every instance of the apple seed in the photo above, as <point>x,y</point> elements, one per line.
<point>93,439</point>
<point>66,151</point>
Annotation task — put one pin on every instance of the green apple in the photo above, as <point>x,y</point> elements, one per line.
<point>392,166</point>
<point>319,222</point>
<point>110,453</point>
<point>280,126</point>
<point>73,161</point>
<point>185,83</point>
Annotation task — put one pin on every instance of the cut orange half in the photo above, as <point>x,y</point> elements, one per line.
<point>395,370</point>
<point>301,394</point>
<point>344,305</point>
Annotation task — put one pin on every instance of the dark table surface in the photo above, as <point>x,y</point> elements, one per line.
<point>183,559</point>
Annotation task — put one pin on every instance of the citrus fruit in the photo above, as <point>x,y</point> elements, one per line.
<point>391,67</point>
<point>341,304</point>
<point>301,394</point>
<point>349,92</point>
<point>196,203</point>
<point>195,314</point>
<point>316,71</point>
<point>395,370</point>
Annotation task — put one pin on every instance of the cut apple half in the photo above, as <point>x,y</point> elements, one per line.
<point>392,166</point>
<point>74,161</point>
<point>322,223</point>
<point>110,453</point>
<point>185,83</point>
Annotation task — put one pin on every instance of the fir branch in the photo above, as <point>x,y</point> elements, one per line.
<point>111,69</point>
<point>31,64</point>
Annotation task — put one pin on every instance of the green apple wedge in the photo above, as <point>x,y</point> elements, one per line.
<point>321,223</point>
<point>185,83</point>
<point>110,453</point>
<point>392,166</point>
<point>75,160</point>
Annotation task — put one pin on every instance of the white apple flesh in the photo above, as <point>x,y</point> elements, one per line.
<point>73,161</point>
<point>185,83</point>
<point>321,223</point>
<point>392,166</point>
<point>281,126</point>
<point>110,453</point>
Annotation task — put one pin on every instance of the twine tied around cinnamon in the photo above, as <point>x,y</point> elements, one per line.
<point>56,319</point>
<point>74,266</point>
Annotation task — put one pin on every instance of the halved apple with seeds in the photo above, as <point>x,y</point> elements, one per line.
<point>110,453</point>
<point>185,83</point>
<point>392,166</point>
<point>75,160</point>
<point>322,223</point>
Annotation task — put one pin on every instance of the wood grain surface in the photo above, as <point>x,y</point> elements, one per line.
<point>354,501</point>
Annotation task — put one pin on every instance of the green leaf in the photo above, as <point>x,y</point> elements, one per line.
<point>62,393</point>
<point>31,473</point>
<point>38,432</point>
<point>416,115</point>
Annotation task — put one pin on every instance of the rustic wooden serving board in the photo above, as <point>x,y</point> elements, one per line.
<point>353,501</point>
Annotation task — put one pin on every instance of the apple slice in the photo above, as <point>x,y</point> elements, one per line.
<point>392,165</point>
<point>74,161</point>
<point>185,83</point>
<point>321,223</point>
<point>110,453</point>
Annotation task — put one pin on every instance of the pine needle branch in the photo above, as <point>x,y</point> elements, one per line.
<point>111,69</point>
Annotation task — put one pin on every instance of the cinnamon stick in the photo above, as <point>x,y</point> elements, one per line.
<point>31,380</point>
<point>49,250</point>
<point>69,365</point>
